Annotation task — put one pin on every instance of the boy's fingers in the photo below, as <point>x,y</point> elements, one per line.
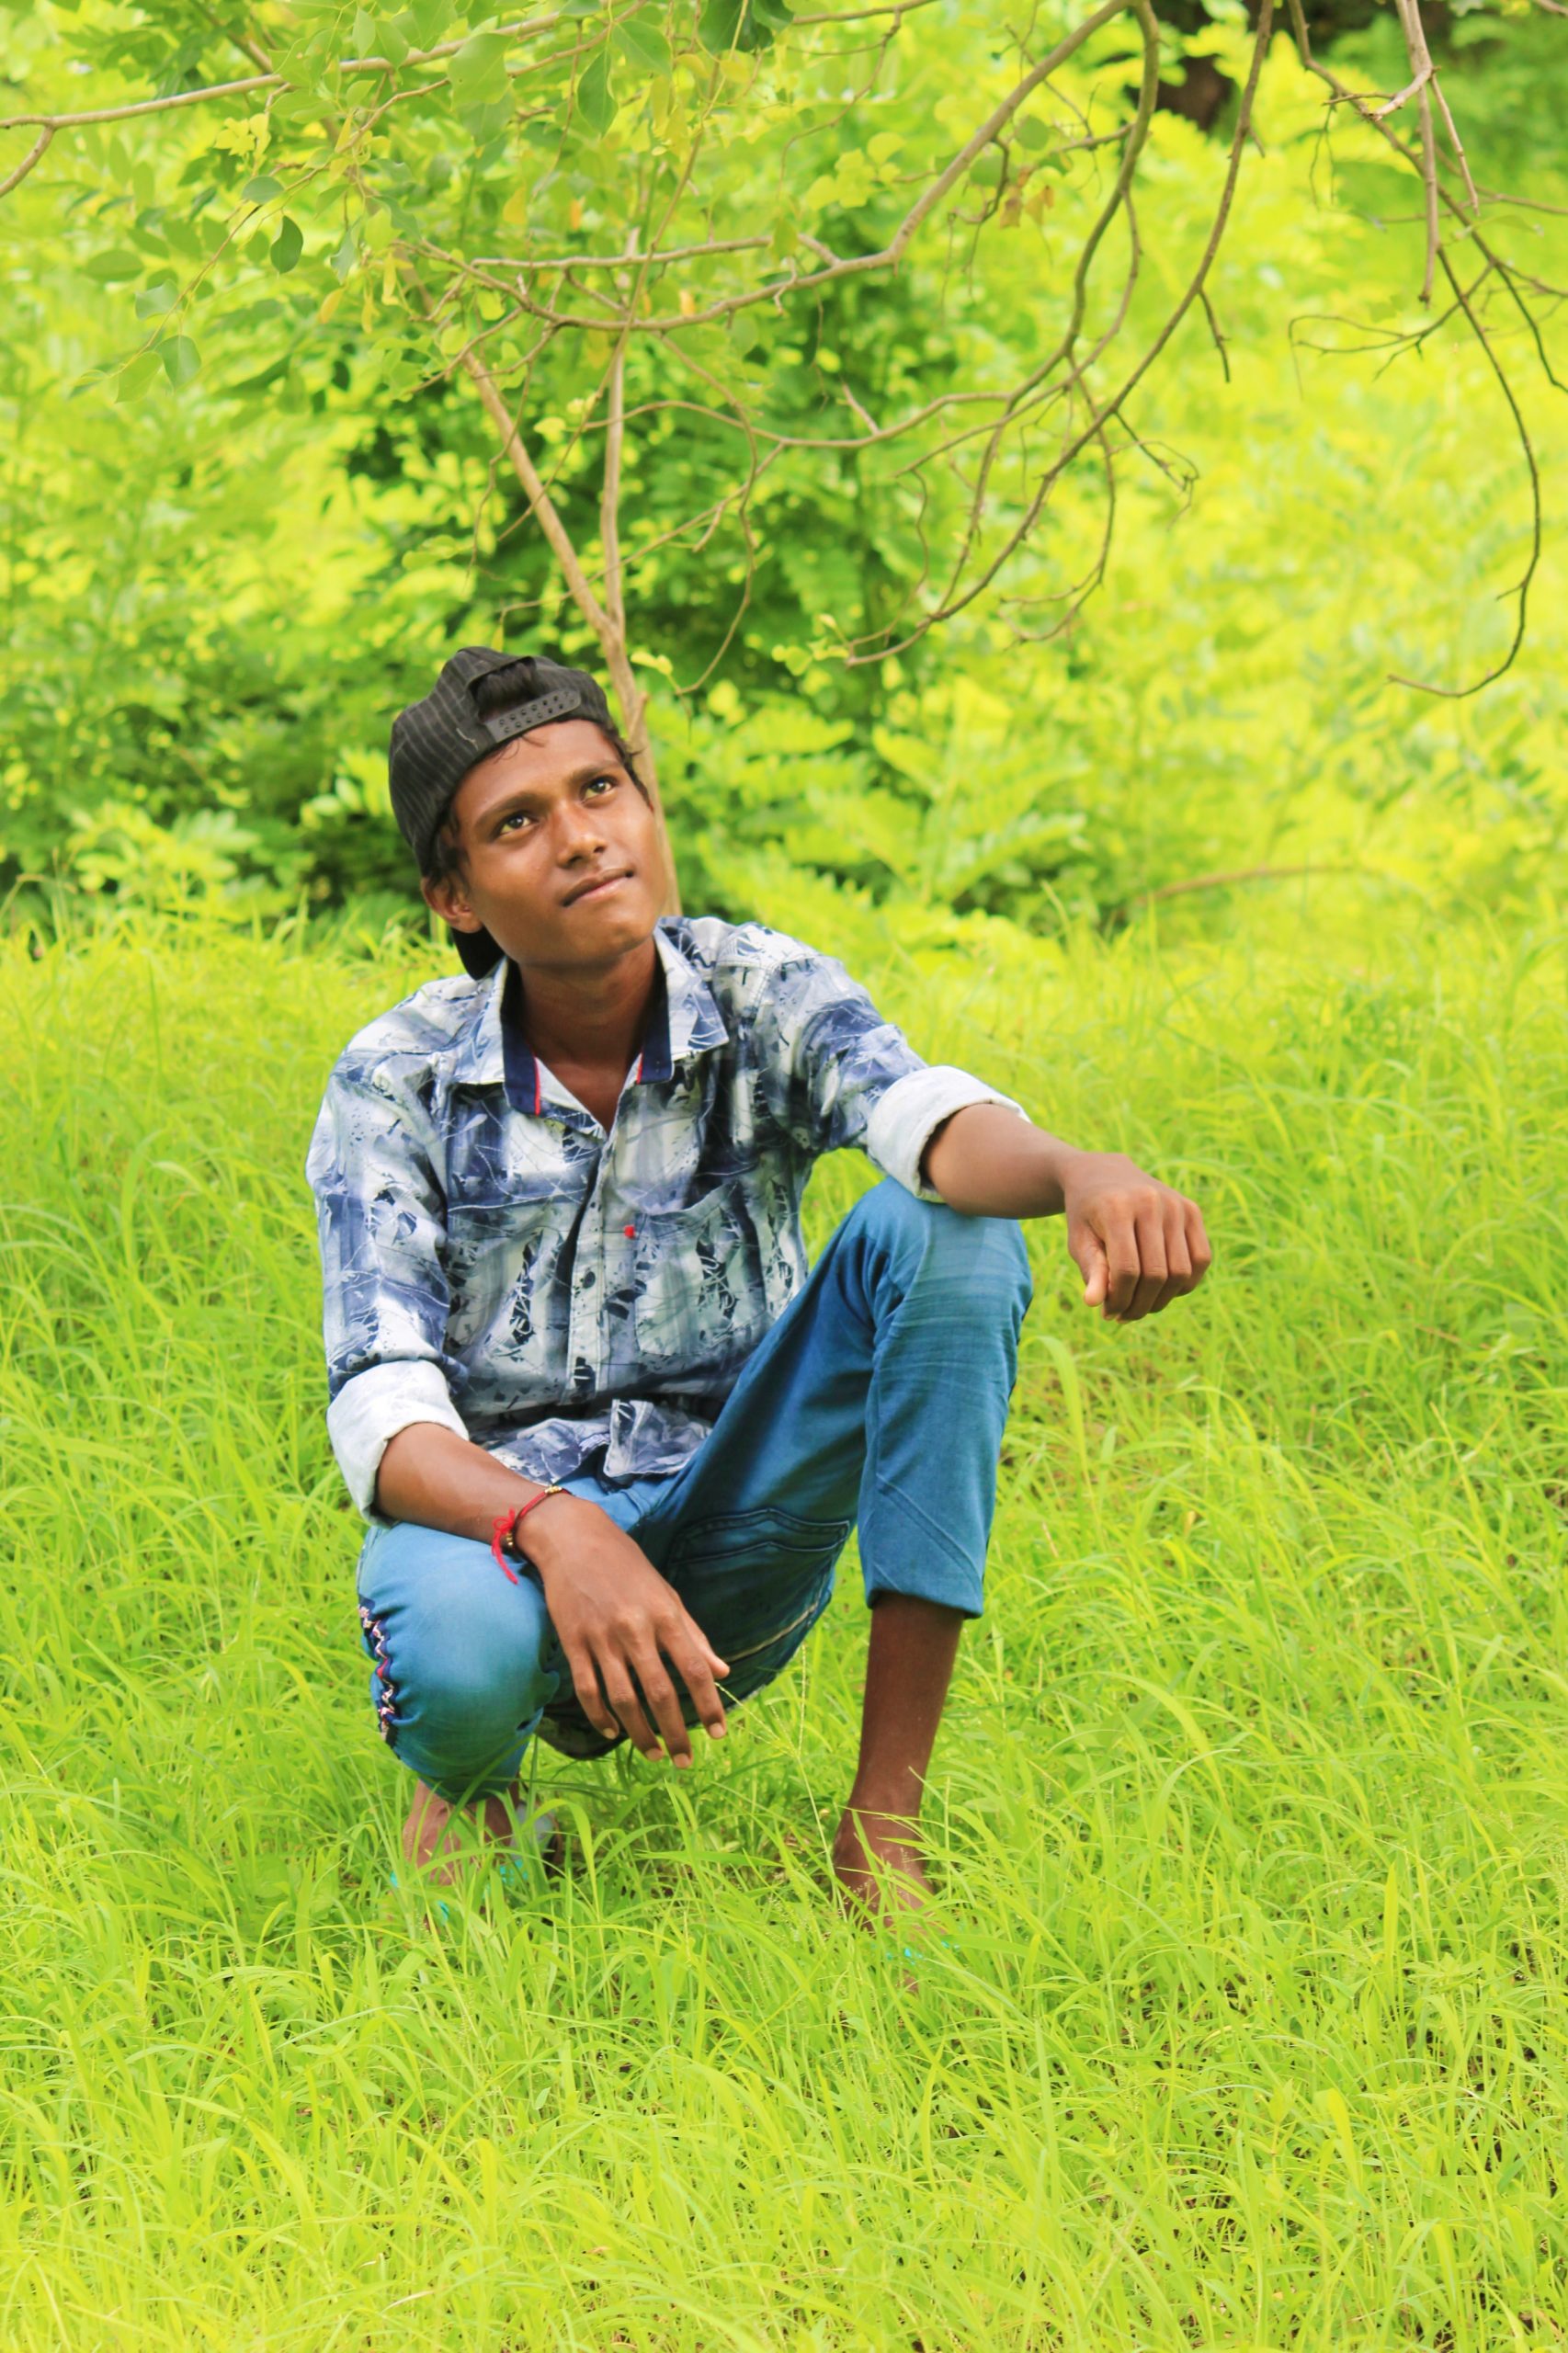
<point>1198,1244</point>
<point>1151,1268</point>
<point>717,1668</point>
<point>1122,1260</point>
<point>626,1708</point>
<point>659,1698</point>
<point>691,1661</point>
<point>1087,1253</point>
<point>701,1668</point>
<point>1178,1264</point>
<point>590,1698</point>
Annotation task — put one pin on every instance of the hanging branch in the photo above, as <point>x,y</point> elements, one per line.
<point>1425,163</point>
<point>629,316</point>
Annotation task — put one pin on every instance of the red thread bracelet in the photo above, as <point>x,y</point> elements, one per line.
<point>504,1528</point>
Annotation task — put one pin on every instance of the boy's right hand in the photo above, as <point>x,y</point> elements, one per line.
<point>621,1628</point>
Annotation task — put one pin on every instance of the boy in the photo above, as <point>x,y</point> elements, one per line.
<point>610,1435</point>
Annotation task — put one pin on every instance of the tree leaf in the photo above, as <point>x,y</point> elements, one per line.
<point>260,191</point>
<point>152,302</point>
<point>640,39</point>
<point>478,72</point>
<point>595,99</point>
<point>135,378</point>
<point>118,264</point>
<point>287,245</point>
<point>741,24</point>
<point>181,359</point>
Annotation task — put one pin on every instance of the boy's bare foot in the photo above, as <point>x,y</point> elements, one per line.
<point>443,1841</point>
<point>879,1867</point>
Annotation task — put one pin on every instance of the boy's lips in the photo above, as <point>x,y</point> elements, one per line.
<point>596,887</point>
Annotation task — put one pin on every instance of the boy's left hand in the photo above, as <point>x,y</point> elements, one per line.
<point>1137,1243</point>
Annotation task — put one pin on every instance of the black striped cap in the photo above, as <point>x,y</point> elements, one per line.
<point>435,742</point>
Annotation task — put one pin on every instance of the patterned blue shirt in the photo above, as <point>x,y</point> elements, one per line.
<point>495,1262</point>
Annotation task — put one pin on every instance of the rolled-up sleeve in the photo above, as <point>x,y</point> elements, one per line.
<point>847,1075</point>
<point>373,1166</point>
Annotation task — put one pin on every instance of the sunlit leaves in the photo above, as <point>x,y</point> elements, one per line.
<point>478,70</point>
<point>114,266</point>
<point>382,37</point>
<point>741,24</point>
<point>135,378</point>
<point>181,361</point>
<point>595,99</point>
<point>858,174</point>
<point>639,39</point>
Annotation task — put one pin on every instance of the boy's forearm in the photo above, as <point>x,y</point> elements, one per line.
<point>430,1475</point>
<point>986,1162</point>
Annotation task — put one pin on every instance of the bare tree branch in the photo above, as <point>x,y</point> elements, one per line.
<point>35,154</point>
<point>1343,96</point>
<point>1522,590</point>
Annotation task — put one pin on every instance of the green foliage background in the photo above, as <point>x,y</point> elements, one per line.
<point>218,589</point>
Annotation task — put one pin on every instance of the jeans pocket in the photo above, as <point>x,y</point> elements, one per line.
<point>755,1582</point>
<point>752,1664</point>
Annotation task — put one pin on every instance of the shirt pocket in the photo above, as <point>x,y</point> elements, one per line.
<point>500,1259</point>
<point>693,1279</point>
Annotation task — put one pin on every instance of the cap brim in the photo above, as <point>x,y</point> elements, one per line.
<point>478,950</point>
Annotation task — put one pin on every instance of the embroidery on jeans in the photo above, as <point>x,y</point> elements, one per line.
<point>386,1704</point>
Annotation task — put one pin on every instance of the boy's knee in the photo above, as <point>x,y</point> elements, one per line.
<point>464,1667</point>
<point>468,1700</point>
<point>986,1254</point>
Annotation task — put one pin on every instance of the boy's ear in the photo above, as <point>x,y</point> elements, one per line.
<point>443,895</point>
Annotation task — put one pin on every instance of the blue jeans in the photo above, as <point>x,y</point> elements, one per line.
<point>879,1399</point>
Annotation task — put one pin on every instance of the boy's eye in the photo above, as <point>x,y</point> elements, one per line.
<point>600,783</point>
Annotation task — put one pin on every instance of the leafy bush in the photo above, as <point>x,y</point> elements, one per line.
<point>215,604</point>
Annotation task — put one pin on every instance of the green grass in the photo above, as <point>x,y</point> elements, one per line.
<point>1251,1809</point>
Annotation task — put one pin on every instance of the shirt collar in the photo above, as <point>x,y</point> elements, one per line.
<point>683,1020</point>
<point>696,1024</point>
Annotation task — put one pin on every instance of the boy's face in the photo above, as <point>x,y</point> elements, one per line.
<point>559,856</point>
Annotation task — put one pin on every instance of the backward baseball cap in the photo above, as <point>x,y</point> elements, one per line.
<point>435,742</point>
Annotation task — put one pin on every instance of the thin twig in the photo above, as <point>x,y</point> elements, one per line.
<point>1214,330</point>
<point>1429,181</point>
<point>618,261</point>
<point>1343,96</point>
<point>35,154</point>
<point>1237,875</point>
<point>1522,589</point>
